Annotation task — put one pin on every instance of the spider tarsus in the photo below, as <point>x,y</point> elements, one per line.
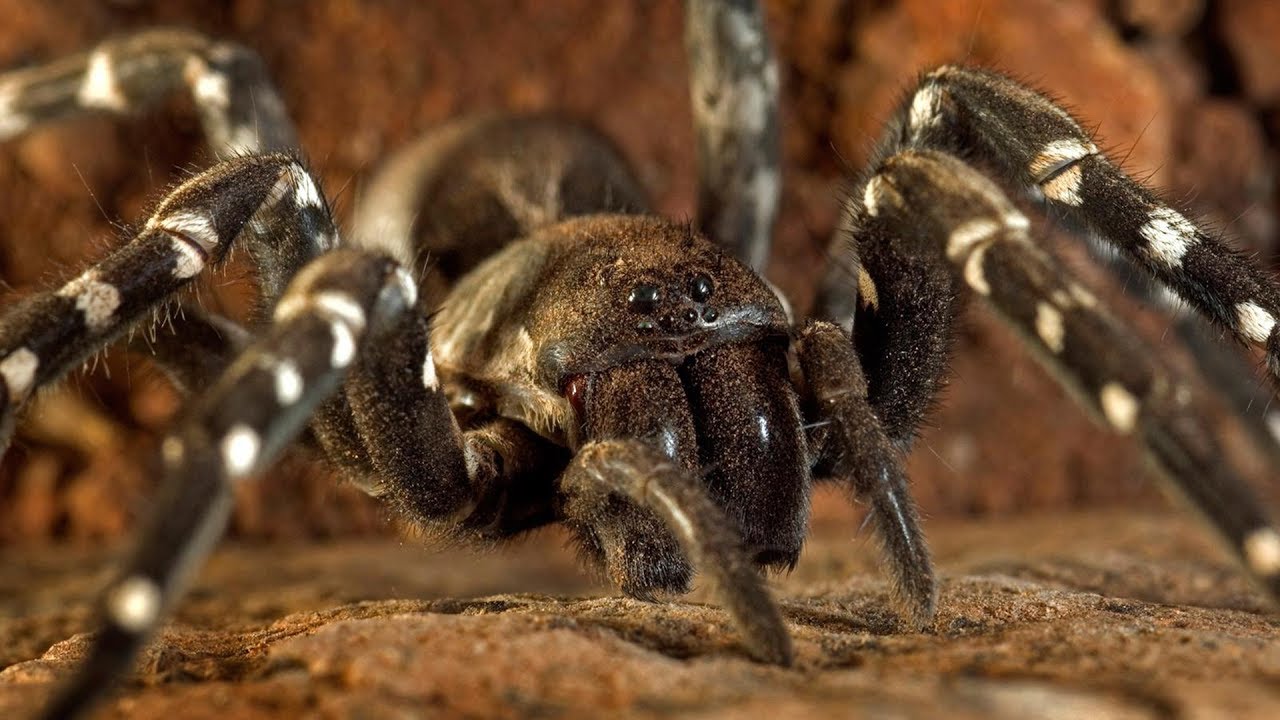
<point>754,611</point>
<point>766,638</point>
<point>915,588</point>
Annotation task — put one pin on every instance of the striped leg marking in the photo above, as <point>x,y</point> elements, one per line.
<point>1046,154</point>
<point>259,405</point>
<point>734,88</point>
<point>942,208</point>
<point>44,335</point>
<point>240,110</point>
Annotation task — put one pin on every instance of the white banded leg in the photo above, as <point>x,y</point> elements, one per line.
<point>239,108</point>
<point>44,335</point>
<point>415,452</point>
<point>1232,372</point>
<point>733,82</point>
<point>1227,366</point>
<point>262,402</point>
<point>1037,146</point>
<point>1199,267</point>
<point>940,207</point>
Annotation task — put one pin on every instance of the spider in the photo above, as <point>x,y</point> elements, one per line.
<point>570,357</point>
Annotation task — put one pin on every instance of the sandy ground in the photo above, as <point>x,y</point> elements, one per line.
<point>1100,615</point>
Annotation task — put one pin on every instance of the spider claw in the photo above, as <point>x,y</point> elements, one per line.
<point>755,613</point>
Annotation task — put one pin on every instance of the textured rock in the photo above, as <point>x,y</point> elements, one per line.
<point>1162,18</point>
<point>1250,28</point>
<point>1225,165</point>
<point>1109,615</point>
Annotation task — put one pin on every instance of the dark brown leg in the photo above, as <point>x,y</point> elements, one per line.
<point>858,450</point>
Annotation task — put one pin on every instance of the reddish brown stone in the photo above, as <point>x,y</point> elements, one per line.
<point>1117,615</point>
<point>1161,18</point>
<point>1069,49</point>
<point>1250,28</point>
<point>1222,162</point>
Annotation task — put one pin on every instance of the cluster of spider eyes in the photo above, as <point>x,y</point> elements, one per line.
<point>646,298</point>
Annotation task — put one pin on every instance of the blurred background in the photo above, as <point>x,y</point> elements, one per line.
<point>1183,91</point>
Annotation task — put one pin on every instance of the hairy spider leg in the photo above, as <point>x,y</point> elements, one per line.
<point>938,206</point>
<point>44,335</point>
<point>239,108</point>
<point>399,438</point>
<point>1233,374</point>
<point>733,85</point>
<point>640,444</point>
<point>903,321</point>
<point>1034,144</point>
<point>200,346</point>
<point>240,112</point>
<point>1025,138</point>
<point>1226,365</point>
<point>858,448</point>
<point>258,406</point>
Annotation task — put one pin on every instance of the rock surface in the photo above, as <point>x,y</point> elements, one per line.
<point>1106,615</point>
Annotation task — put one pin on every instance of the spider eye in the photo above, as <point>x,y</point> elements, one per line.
<point>644,298</point>
<point>701,287</point>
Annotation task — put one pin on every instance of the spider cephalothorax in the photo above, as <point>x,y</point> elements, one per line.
<point>569,357</point>
<point>665,337</point>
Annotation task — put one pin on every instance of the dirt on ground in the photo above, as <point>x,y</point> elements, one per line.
<point>1100,615</point>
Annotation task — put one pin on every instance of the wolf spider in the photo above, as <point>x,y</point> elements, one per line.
<point>572,358</point>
